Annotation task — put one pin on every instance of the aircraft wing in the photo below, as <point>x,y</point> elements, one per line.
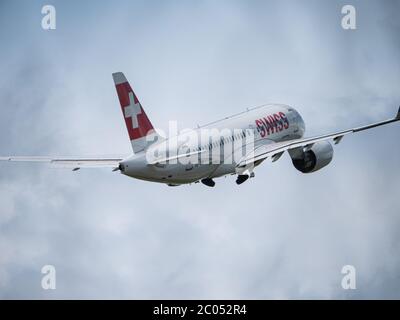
<point>69,162</point>
<point>275,150</point>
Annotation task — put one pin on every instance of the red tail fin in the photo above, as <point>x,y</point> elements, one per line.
<point>137,123</point>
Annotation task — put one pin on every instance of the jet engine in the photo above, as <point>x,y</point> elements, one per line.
<point>314,158</point>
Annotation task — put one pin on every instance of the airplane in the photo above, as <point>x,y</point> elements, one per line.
<point>235,145</point>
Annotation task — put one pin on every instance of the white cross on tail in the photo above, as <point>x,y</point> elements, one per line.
<point>133,110</point>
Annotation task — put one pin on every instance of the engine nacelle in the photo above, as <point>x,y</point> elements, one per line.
<point>319,156</point>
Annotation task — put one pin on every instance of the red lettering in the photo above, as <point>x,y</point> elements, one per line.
<point>267,126</point>
<point>260,127</point>
<point>272,123</point>
<point>278,121</point>
<point>285,120</point>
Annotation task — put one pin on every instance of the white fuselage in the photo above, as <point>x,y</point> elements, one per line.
<point>288,125</point>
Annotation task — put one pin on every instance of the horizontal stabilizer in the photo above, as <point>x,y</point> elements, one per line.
<point>69,162</point>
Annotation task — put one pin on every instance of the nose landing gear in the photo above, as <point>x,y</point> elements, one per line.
<point>241,178</point>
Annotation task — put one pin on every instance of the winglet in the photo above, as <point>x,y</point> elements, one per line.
<point>398,115</point>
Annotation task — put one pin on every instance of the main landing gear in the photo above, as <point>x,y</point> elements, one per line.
<point>243,177</point>
<point>240,179</point>
<point>208,182</point>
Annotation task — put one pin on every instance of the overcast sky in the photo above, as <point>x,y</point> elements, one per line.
<point>282,234</point>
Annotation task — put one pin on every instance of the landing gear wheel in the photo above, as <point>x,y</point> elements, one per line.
<point>208,182</point>
<point>241,178</point>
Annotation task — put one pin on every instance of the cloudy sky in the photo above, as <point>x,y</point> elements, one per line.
<point>280,235</point>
